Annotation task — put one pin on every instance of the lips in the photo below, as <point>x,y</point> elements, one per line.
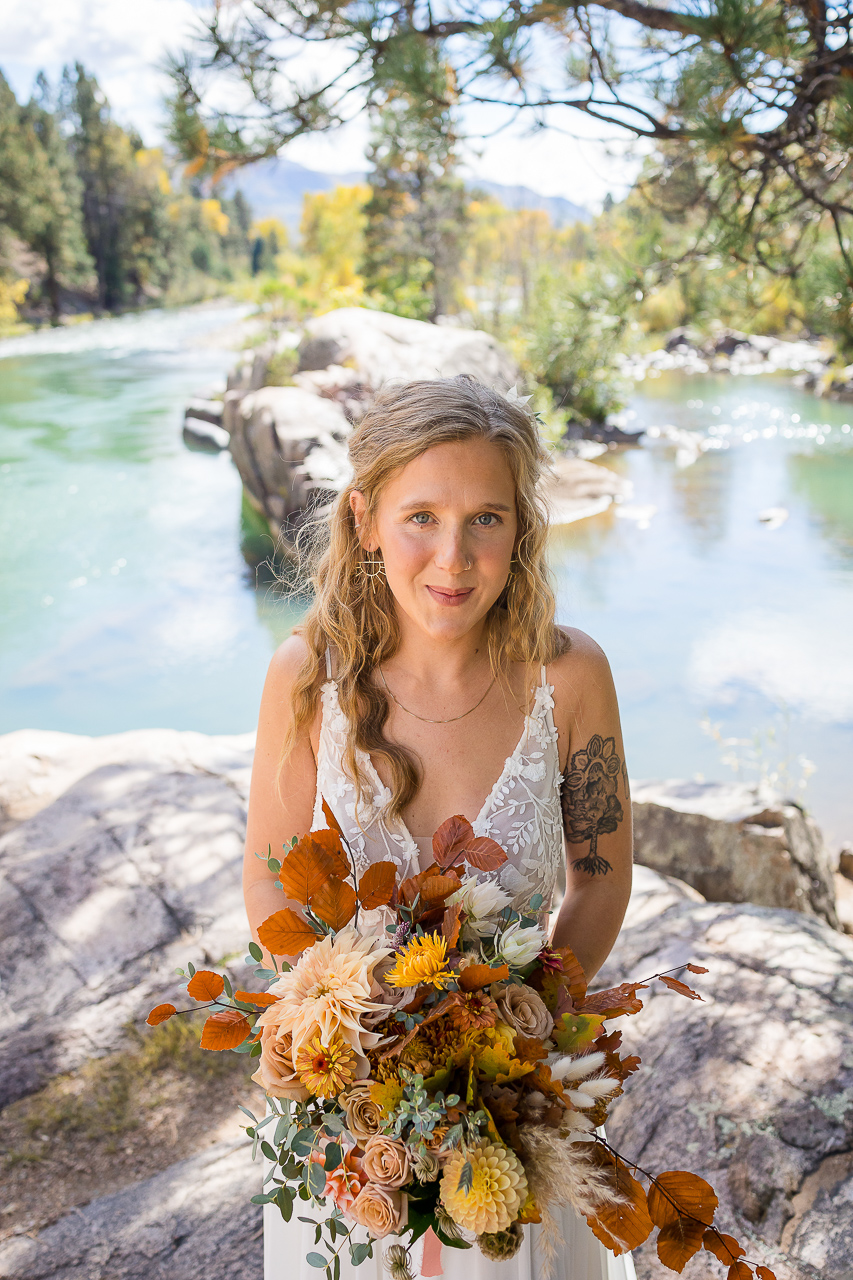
<point>450,596</point>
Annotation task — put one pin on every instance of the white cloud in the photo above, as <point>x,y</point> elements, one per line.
<point>803,661</point>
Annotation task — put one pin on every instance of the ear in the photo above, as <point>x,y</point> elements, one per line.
<point>358,506</point>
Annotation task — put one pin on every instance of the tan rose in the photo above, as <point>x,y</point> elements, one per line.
<point>364,1118</point>
<point>386,1162</point>
<point>275,1072</point>
<point>523,1009</point>
<point>381,1211</point>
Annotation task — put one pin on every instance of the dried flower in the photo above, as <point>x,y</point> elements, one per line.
<point>397,1262</point>
<point>381,1211</point>
<point>445,1223</point>
<point>386,1162</point>
<point>325,1069</point>
<point>474,1010</point>
<point>425,1165</point>
<point>423,961</point>
<point>499,1246</point>
<point>523,1009</point>
<point>498,1186</point>
<point>364,1116</point>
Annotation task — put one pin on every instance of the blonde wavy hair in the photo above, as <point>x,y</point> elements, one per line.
<point>354,615</point>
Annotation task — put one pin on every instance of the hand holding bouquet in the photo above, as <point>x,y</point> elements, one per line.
<point>445,1069</point>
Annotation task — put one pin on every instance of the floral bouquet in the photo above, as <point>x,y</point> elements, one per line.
<point>431,1063</point>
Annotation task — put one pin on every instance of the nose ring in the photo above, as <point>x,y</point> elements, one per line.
<point>470,564</point>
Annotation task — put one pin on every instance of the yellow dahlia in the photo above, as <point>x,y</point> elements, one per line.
<point>325,1069</point>
<point>424,962</point>
<point>497,1191</point>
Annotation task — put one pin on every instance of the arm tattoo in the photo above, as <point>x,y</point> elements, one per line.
<point>591,806</point>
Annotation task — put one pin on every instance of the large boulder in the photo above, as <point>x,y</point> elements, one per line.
<point>289,447</point>
<point>380,347</point>
<point>733,845</point>
<point>752,1088</point>
<point>105,888</point>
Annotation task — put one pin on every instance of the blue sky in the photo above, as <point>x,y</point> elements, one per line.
<point>122,41</point>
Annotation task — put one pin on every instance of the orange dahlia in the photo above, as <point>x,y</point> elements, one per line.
<point>325,1069</point>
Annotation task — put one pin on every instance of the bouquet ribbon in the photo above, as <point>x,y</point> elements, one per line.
<point>431,1263</point>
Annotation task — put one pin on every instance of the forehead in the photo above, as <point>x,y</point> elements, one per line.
<point>470,473</point>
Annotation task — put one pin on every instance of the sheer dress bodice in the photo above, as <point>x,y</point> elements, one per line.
<point>521,812</point>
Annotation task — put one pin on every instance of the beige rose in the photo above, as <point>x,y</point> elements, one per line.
<point>364,1117</point>
<point>275,1072</point>
<point>523,1009</point>
<point>380,1211</point>
<point>386,1162</point>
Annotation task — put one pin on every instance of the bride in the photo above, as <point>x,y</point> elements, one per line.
<point>429,679</point>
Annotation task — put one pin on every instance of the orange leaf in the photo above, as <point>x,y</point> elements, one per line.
<point>162,1013</point>
<point>451,839</point>
<point>329,843</point>
<point>206,985</point>
<point>696,968</point>
<point>304,871</point>
<point>627,1222</point>
<point>260,998</point>
<point>615,1001</point>
<point>484,854</point>
<point>437,888</point>
<point>678,1242</point>
<point>726,1248</point>
<point>286,934</point>
<point>477,976</point>
<point>573,974</point>
<point>679,1194</point>
<point>680,987</point>
<point>739,1271</point>
<point>332,821</point>
<point>376,886</point>
<point>225,1030</point>
<point>764,1273</point>
<point>451,923</point>
<point>335,903</point>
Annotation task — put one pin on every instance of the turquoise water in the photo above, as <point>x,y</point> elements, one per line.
<point>124,601</point>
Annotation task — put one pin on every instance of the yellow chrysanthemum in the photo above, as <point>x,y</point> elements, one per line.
<point>424,962</point>
<point>497,1191</point>
<point>325,1069</point>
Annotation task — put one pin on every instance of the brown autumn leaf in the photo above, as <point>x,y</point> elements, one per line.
<point>681,987</point>
<point>437,888</point>
<point>376,886</point>
<point>286,934</point>
<point>678,1242</point>
<point>261,998</point>
<point>696,968</point>
<point>451,923</point>
<point>335,903</point>
<point>305,870</point>
<point>451,839</point>
<point>627,1222</point>
<point>764,1273</point>
<point>573,974</point>
<point>678,1193</point>
<point>443,1007</point>
<point>484,854</point>
<point>331,820</point>
<point>477,976</point>
<point>529,1049</point>
<point>225,1030</point>
<point>725,1248</point>
<point>615,1001</point>
<point>205,985</point>
<point>739,1271</point>
<point>161,1013</point>
<point>329,843</point>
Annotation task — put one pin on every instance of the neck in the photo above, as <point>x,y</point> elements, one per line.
<point>438,663</point>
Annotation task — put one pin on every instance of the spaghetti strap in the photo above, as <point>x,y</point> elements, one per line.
<point>329,663</point>
<point>544,676</point>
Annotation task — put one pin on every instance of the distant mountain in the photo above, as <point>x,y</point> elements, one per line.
<point>275,187</point>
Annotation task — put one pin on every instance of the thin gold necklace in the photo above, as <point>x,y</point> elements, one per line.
<point>426,719</point>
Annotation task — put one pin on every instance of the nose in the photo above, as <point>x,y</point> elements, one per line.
<point>452,555</point>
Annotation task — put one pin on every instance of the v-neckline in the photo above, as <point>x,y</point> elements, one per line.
<point>370,768</point>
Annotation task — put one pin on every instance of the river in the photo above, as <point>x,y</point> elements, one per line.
<point>125,603</point>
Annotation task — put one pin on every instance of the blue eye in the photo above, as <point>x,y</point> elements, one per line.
<point>421,518</point>
<point>486,516</point>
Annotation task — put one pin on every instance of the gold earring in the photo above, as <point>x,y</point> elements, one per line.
<point>372,568</point>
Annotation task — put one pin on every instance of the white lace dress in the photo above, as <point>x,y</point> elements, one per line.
<point>522,813</point>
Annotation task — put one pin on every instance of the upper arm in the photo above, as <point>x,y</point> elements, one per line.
<point>595,795</point>
<point>281,799</point>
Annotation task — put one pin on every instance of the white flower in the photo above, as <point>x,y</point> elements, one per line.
<point>481,900</point>
<point>519,947</point>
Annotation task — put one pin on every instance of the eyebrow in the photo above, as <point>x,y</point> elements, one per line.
<point>420,503</point>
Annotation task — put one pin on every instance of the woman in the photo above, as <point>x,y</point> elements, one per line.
<point>429,679</point>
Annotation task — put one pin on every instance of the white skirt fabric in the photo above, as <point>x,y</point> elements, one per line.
<point>580,1257</point>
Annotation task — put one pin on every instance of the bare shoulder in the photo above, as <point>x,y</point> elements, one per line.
<point>584,694</point>
<point>285,666</point>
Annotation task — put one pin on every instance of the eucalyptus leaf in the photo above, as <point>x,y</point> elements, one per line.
<point>303,1142</point>
<point>358,1252</point>
<point>466,1177</point>
<point>316,1260</point>
<point>284,1200</point>
<point>334,1156</point>
<point>316,1179</point>
<point>269,1152</point>
<point>246,1112</point>
<point>229,991</point>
